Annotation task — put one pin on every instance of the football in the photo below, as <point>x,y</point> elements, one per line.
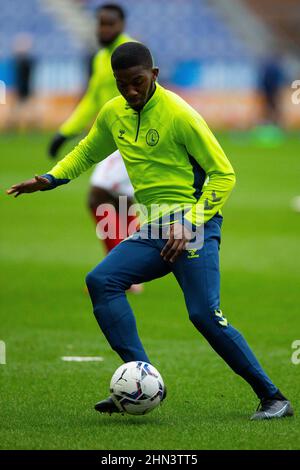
<point>136,388</point>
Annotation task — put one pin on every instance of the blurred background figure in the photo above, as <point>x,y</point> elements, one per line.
<point>110,179</point>
<point>272,81</point>
<point>23,111</point>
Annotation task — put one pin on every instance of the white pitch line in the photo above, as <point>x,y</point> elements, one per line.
<point>82,358</point>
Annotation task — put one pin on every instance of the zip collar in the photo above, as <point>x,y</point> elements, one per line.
<point>151,102</point>
<point>154,98</point>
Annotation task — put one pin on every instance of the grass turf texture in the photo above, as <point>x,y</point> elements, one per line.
<point>48,245</point>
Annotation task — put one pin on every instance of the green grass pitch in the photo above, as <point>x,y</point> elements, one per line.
<point>48,245</point>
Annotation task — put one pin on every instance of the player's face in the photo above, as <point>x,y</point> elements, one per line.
<point>136,84</point>
<point>109,26</point>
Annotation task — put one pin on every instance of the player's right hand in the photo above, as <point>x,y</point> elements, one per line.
<point>30,186</point>
<point>179,236</point>
<point>57,141</point>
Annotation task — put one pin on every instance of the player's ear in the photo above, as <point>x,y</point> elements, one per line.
<point>155,72</point>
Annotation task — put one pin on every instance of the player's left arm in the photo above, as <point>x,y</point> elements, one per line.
<point>192,132</point>
<point>201,144</point>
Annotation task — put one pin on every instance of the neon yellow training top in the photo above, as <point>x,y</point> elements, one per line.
<point>101,88</point>
<point>168,150</point>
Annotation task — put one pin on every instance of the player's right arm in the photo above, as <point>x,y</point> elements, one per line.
<point>84,113</point>
<point>96,146</point>
<point>82,116</point>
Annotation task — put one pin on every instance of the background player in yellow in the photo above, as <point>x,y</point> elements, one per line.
<point>110,178</point>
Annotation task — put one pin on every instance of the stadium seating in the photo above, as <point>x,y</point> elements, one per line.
<point>50,40</point>
<point>188,30</point>
<point>181,30</point>
<point>282,17</point>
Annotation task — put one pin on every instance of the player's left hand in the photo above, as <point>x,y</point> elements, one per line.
<point>179,236</point>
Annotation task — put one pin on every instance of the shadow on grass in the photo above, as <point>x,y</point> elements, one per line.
<point>118,421</point>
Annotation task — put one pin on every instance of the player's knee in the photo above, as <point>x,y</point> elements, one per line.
<point>103,281</point>
<point>202,319</point>
<point>207,320</point>
<point>90,281</point>
<point>95,280</point>
<point>198,318</point>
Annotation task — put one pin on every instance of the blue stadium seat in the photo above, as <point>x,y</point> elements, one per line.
<point>18,16</point>
<point>177,32</point>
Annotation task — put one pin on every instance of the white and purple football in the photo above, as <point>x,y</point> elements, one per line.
<point>137,388</point>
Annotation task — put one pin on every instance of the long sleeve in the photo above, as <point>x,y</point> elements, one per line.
<point>85,111</point>
<point>200,143</point>
<point>96,146</point>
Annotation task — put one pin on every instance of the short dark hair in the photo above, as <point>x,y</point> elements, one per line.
<point>131,54</point>
<point>112,6</point>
